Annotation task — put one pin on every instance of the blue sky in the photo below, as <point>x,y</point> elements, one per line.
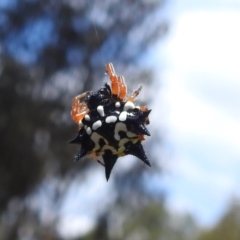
<point>200,101</point>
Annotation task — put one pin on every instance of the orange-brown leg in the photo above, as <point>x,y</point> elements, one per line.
<point>144,109</point>
<point>122,87</point>
<point>134,95</point>
<point>113,78</point>
<point>141,137</point>
<point>94,157</point>
<point>79,109</point>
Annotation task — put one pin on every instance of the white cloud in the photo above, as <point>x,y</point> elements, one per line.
<point>201,87</point>
<point>71,226</point>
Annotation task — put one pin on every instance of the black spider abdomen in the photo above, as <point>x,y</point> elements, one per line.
<point>112,130</point>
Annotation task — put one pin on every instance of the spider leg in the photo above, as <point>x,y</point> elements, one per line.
<point>145,109</point>
<point>94,157</point>
<point>141,137</point>
<point>118,84</point>
<point>101,163</point>
<point>79,109</point>
<point>134,95</point>
<point>122,86</point>
<point>113,78</point>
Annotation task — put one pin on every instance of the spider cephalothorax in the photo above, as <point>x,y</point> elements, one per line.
<point>100,97</point>
<point>110,125</point>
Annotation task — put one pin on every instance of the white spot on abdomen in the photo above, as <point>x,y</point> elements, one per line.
<point>97,125</point>
<point>80,124</point>
<point>89,130</point>
<point>117,104</point>
<point>131,134</point>
<point>96,138</point>
<point>121,144</point>
<point>111,119</point>
<point>128,105</point>
<point>87,117</point>
<point>101,111</point>
<point>123,116</point>
<point>108,147</point>
<point>119,127</point>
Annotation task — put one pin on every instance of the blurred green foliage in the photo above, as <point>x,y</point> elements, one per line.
<point>228,227</point>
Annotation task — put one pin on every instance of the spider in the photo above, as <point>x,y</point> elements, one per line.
<point>110,124</point>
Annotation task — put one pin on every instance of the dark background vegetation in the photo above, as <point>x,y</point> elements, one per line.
<point>52,50</point>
